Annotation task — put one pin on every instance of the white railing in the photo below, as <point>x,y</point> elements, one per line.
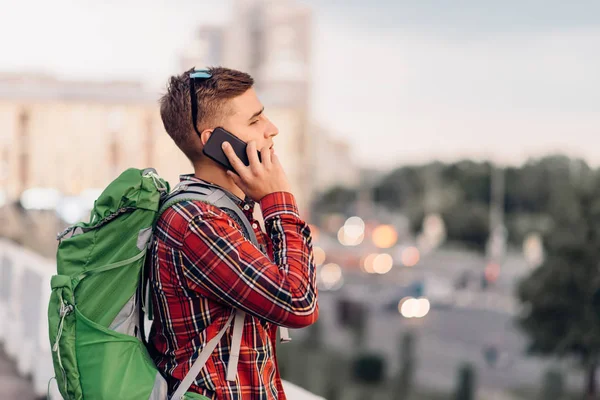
<point>24,294</point>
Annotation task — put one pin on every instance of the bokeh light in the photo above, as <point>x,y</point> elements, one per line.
<point>408,308</point>
<point>492,272</point>
<point>315,232</point>
<point>349,240</point>
<point>383,263</point>
<point>353,232</point>
<point>384,236</point>
<point>354,226</point>
<point>414,308</point>
<point>367,264</point>
<point>319,255</point>
<point>423,307</point>
<point>331,276</point>
<point>401,304</point>
<point>410,256</point>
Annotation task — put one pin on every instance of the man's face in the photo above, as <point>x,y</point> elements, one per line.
<point>248,122</point>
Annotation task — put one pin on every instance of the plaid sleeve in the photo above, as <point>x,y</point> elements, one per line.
<point>221,264</point>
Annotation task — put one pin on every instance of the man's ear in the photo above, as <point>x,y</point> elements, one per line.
<point>205,135</point>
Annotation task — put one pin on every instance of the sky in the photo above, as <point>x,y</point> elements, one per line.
<point>402,81</point>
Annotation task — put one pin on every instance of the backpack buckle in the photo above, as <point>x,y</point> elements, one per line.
<point>65,309</point>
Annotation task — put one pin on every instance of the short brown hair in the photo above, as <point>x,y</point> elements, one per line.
<point>212,94</point>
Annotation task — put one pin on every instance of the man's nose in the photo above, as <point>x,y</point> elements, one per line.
<point>272,130</point>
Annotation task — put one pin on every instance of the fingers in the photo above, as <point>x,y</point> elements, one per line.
<point>252,153</point>
<point>234,160</point>
<point>265,155</point>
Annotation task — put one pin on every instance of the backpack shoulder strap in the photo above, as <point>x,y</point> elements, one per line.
<point>211,194</point>
<point>190,377</point>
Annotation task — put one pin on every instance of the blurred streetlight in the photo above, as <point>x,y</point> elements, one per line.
<point>496,245</point>
<point>385,236</point>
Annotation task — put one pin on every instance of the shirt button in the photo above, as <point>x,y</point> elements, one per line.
<point>255,225</point>
<point>246,207</point>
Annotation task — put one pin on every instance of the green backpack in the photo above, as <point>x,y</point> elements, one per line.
<point>96,313</point>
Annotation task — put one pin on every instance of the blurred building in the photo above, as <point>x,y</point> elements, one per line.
<point>271,40</point>
<point>73,136</point>
<point>335,165</point>
<point>62,139</point>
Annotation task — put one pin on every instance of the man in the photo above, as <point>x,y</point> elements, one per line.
<point>203,266</point>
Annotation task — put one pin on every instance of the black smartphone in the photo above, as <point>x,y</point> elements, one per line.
<point>214,151</point>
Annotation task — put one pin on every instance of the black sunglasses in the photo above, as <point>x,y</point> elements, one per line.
<point>202,74</point>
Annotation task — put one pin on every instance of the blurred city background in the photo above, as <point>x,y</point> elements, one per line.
<point>445,154</point>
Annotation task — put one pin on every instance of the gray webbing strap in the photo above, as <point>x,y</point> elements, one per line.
<point>236,342</point>
<point>201,360</point>
<point>217,197</point>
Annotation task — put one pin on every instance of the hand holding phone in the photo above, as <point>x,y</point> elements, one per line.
<point>256,173</point>
<point>213,148</point>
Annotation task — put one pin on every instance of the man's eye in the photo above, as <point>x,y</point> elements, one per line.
<point>253,122</point>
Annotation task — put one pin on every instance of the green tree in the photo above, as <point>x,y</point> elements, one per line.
<point>540,192</point>
<point>474,180</point>
<point>401,188</point>
<point>558,298</point>
<point>338,199</point>
<point>468,224</point>
<point>553,385</point>
<point>536,195</point>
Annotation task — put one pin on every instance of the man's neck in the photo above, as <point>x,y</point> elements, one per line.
<point>215,174</point>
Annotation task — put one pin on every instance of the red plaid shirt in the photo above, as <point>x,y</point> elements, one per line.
<point>202,267</point>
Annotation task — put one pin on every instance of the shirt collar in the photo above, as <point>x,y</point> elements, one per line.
<point>241,203</point>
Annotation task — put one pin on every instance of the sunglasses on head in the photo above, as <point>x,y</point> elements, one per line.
<point>202,75</point>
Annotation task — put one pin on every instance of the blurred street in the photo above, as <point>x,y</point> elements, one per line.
<point>459,328</point>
